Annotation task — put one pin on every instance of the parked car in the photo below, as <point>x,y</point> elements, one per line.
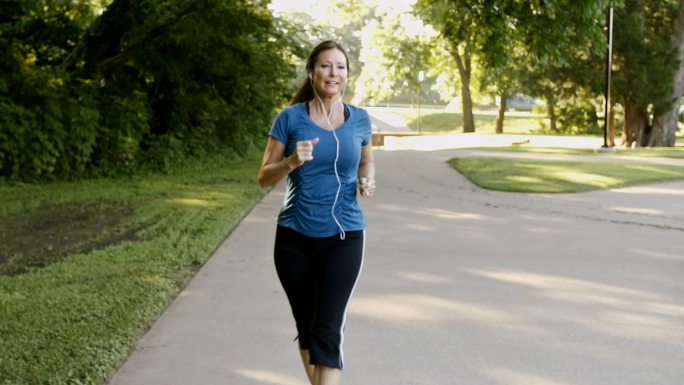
<point>520,102</point>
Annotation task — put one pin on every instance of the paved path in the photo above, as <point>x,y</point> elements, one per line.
<point>460,286</point>
<point>385,121</point>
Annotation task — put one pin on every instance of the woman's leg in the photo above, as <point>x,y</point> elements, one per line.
<point>341,262</point>
<point>325,375</point>
<point>306,359</point>
<point>297,273</point>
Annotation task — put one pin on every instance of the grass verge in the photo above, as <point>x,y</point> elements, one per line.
<point>73,316</point>
<point>551,176</point>
<point>438,121</point>
<point>665,152</point>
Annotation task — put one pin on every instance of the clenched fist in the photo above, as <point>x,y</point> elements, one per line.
<point>366,186</point>
<point>303,152</point>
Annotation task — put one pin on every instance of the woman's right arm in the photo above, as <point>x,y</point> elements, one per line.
<point>275,166</point>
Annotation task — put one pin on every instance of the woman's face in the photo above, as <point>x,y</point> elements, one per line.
<point>330,73</point>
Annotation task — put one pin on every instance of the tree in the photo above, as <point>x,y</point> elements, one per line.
<point>90,90</point>
<point>392,54</point>
<point>489,29</point>
<point>644,64</point>
<point>457,22</point>
<point>667,115</point>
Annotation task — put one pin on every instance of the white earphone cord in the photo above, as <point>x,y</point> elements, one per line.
<point>337,151</point>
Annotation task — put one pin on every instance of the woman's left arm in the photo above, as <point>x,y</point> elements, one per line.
<point>366,172</point>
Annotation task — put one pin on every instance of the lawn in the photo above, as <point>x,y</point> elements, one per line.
<point>665,152</point>
<point>552,176</point>
<point>86,267</point>
<point>439,121</point>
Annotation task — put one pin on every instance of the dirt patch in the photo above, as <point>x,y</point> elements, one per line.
<point>40,237</point>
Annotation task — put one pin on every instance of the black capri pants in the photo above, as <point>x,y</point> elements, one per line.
<point>319,276</point>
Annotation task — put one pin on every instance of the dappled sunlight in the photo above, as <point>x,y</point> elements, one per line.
<point>636,210</point>
<point>561,284</point>
<point>422,277</point>
<point>434,212</point>
<point>268,377</point>
<point>420,310</point>
<point>631,325</point>
<point>614,317</point>
<point>194,202</point>
<point>656,254</point>
<point>540,230</point>
<point>505,376</point>
<point>621,311</point>
<point>416,227</point>
<point>389,207</point>
<point>561,173</point>
<point>587,179</point>
<point>204,198</point>
<point>448,214</point>
<point>650,189</point>
<point>524,179</point>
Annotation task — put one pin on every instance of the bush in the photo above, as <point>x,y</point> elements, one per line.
<point>141,84</point>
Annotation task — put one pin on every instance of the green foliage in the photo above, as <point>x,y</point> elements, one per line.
<point>51,134</point>
<point>438,121</point>
<point>395,48</point>
<point>642,52</point>
<point>101,91</point>
<point>550,50</point>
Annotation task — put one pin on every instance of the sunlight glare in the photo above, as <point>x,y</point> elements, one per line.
<point>562,284</point>
<point>419,310</point>
<point>524,179</point>
<point>590,179</point>
<point>651,190</point>
<point>269,377</point>
<point>636,210</point>
<point>508,376</point>
<point>194,202</point>
<point>422,277</point>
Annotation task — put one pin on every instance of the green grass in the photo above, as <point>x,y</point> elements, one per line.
<point>546,176</point>
<point>74,320</point>
<point>438,121</point>
<point>665,152</point>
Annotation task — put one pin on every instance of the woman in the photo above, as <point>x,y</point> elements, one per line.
<point>323,146</point>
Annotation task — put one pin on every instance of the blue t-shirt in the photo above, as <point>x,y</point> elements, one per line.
<point>311,188</point>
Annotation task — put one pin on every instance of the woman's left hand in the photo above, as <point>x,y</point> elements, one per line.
<point>366,186</point>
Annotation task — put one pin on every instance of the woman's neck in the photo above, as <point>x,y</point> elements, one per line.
<point>328,104</point>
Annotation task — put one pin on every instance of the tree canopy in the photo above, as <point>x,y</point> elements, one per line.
<point>101,87</point>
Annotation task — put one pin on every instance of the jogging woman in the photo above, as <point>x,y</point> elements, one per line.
<point>323,147</point>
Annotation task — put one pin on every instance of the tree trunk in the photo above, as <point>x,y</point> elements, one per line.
<point>551,110</point>
<point>464,69</point>
<point>611,125</point>
<point>636,131</point>
<point>665,123</point>
<point>502,112</point>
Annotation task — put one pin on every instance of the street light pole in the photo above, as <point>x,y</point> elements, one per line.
<point>421,77</point>
<point>609,64</point>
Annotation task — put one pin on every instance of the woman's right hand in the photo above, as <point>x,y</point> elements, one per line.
<point>303,152</point>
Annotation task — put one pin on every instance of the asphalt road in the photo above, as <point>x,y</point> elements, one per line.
<point>460,286</point>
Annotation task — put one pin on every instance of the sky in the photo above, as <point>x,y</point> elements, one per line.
<point>319,10</point>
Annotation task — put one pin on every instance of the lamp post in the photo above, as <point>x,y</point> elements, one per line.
<point>609,64</point>
<point>421,77</point>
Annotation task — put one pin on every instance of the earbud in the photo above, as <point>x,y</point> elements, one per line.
<point>310,77</point>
